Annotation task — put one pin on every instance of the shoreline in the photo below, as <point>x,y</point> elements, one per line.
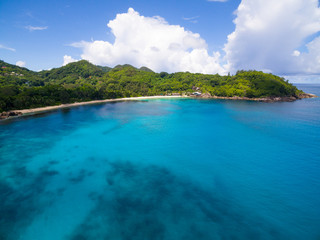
<point>262,99</point>
<point>32,111</point>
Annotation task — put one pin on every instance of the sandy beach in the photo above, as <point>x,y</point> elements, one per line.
<point>31,111</point>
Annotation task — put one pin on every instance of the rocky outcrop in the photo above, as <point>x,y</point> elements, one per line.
<point>5,115</point>
<point>205,95</point>
<point>307,95</point>
<point>262,99</point>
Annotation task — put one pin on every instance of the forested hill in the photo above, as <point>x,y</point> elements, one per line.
<point>21,88</point>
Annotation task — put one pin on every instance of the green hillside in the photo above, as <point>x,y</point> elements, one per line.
<point>72,72</point>
<point>12,74</point>
<point>21,88</point>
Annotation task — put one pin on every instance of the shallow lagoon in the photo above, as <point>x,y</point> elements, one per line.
<point>163,169</point>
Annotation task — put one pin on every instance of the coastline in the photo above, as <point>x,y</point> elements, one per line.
<point>32,111</point>
<point>262,99</point>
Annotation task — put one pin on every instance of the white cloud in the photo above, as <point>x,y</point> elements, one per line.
<point>191,19</point>
<point>68,59</point>
<point>21,63</point>
<point>35,28</point>
<point>217,0</point>
<point>151,42</point>
<point>309,62</point>
<point>303,79</point>
<point>270,35</point>
<point>296,53</point>
<point>7,48</point>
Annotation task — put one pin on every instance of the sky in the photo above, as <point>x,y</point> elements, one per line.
<point>205,36</point>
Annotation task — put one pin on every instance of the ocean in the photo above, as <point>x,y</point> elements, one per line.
<point>163,169</point>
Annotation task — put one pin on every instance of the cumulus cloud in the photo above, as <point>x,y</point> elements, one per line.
<point>269,35</point>
<point>303,79</point>
<point>7,48</point>
<point>68,59</point>
<point>21,63</point>
<point>281,37</point>
<point>151,42</point>
<point>35,28</point>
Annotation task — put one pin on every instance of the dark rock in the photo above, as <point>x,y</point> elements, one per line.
<point>205,95</point>
<point>5,115</point>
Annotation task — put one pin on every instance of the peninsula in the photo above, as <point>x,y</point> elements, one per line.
<point>24,91</point>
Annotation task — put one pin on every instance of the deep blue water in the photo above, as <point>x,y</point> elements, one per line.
<point>163,169</point>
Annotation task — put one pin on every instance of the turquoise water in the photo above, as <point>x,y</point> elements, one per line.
<point>163,169</point>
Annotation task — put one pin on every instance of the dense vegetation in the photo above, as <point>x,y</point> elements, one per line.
<point>21,88</point>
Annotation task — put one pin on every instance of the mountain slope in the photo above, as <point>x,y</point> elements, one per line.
<point>12,74</point>
<point>73,71</point>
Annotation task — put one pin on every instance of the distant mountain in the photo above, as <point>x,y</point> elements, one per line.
<point>146,69</point>
<point>120,67</point>
<point>105,69</point>
<point>73,71</point>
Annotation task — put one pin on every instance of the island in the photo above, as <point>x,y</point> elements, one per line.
<point>23,91</point>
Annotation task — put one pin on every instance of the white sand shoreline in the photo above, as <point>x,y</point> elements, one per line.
<point>32,111</point>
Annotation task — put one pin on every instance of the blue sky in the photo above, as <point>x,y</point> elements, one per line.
<point>72,21</point>
<point>195,35</point>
